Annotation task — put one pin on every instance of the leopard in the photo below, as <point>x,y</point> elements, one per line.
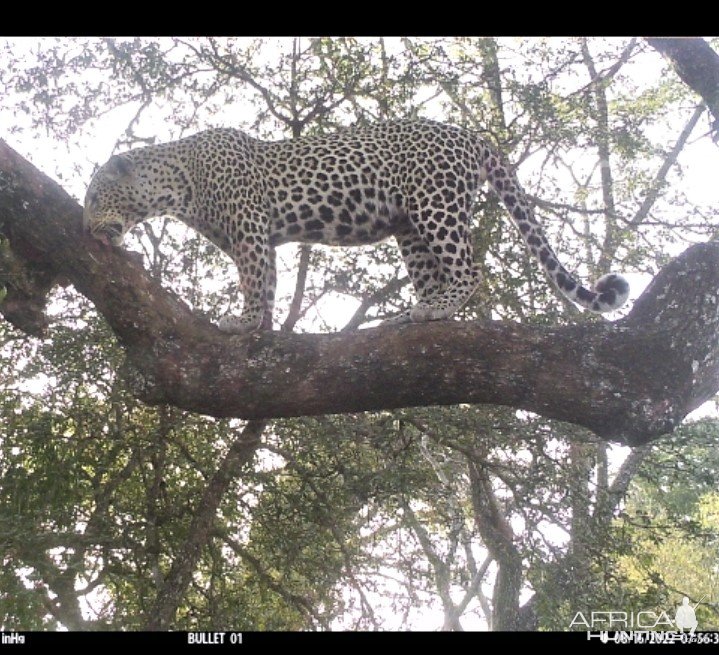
<point>414,180</point>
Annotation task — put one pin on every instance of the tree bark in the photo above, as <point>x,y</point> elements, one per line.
<point>628,381</point>
<point>696,64</point>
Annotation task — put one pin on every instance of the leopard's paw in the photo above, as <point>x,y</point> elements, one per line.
<point>238,324</point>
<point>423,312</point>
<point>400,319</point>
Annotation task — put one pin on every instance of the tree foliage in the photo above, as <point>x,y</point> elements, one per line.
<point>116,515</point>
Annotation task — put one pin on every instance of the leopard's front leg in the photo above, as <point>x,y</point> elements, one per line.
<point>255,260</point>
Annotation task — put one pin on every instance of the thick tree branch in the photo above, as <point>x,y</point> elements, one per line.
<point>630,381</point>
<point>696,64</point>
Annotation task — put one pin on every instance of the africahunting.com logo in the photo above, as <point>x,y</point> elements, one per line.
<point>643,626</point>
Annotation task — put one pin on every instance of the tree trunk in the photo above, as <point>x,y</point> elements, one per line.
<point>629,381</point>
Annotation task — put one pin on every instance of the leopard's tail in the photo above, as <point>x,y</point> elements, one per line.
<point>610,291</point>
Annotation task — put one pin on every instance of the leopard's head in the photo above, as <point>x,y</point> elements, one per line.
<point>117,199</point>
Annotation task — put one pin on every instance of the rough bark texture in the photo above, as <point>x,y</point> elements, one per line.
<point>629,381</point>
<point>696,64</point>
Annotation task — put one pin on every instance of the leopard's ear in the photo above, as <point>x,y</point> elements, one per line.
<point>119,167</point>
